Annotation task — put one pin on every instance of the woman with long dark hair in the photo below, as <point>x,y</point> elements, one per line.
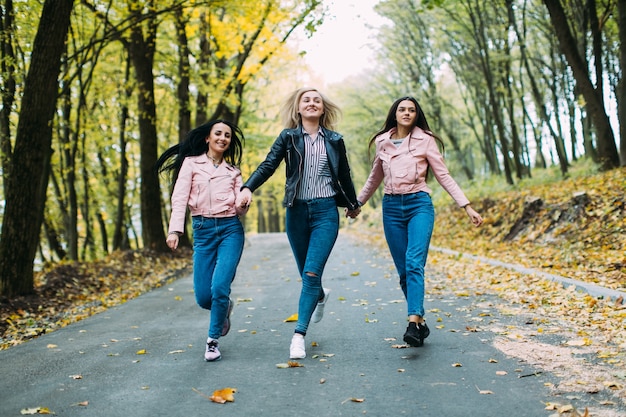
<point>207,181</point>
<point>406,149</point>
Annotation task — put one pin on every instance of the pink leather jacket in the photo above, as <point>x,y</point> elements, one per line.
<point>207,191</point>
<point>403,169</point>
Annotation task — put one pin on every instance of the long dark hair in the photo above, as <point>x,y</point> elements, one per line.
<point>420,121</point>
<point>195,144</point>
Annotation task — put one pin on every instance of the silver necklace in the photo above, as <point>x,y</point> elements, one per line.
<point>215,163</point>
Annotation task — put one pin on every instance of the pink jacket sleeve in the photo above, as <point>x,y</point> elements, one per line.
<point>180,198</point>
<point>238,184</point>
<point>373,181</point>
<point>438,166</point>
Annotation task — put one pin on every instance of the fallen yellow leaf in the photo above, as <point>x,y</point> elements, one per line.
<point>223,395</point>
<point>36,410</point>
<point>293,317</point>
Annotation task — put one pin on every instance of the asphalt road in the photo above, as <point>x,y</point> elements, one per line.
<point>98,367</point>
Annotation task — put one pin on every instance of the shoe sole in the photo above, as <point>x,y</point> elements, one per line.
<point>414,341</point>
<point>226,327</point>
<point>321,304</point>
<point>213,360</point>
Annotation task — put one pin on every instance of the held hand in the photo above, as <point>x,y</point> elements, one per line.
<point>353,213</point>
<point>244,198</point>
<point>474,216</point>
<point>172,241</point>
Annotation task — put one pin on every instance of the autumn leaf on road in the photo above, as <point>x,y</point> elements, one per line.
<point>354,400</point>
<point>293,317</point>
<point>36,410</point>
<point>223,395</point>
<point>289,364</point>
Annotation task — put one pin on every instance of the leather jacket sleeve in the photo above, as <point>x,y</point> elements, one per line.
<point>346,194</point>
<point>267,168</point>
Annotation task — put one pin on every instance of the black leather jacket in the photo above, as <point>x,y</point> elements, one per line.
<point>289,145</point>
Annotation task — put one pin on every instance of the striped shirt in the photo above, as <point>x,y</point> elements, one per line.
<point>316,181</point>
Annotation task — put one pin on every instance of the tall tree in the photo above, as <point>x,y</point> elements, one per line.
<point>142,49</point>
<point>621,88</point>
<point>607,150</point>
<point>7,66</point>
<point>27,179</point>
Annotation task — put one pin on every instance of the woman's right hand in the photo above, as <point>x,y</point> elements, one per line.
<point>475,218</point>
<point>172,241</point>
<point>244,198</point>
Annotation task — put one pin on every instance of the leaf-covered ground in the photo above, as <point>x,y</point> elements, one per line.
<point>574,228</point>
<point>69,292</point>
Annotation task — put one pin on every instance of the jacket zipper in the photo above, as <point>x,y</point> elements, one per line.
<point>300,161</point>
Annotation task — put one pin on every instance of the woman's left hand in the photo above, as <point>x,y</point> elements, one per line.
<point>474,216</point>
<point>352,213</point>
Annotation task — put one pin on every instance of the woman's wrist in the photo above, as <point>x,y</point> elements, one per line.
<point>174,233</point>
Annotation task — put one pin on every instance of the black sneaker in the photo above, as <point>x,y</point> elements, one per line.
<point>416,333</point>
<point>412,335</point>
<point>424,330</point>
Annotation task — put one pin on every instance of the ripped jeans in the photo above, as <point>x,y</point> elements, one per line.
<point>312,228</point>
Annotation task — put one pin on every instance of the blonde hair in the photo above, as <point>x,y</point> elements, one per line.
<point>291,118</point>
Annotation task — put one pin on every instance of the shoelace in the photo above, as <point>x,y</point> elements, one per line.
<point>211,346</point>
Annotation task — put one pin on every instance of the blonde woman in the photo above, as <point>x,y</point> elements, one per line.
<point>318,181</point>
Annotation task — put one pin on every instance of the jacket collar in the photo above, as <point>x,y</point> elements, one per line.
<point>327,133</point>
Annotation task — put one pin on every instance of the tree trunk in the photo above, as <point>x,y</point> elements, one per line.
<point>205,52</point>
<point>607,150</point>
<point>120,234</point>
<point>621,89</point>
<point>7,67</point>
<point>184,101</point>
<point>142,55</point>
<point>25,189</point>
<point>68,158</point>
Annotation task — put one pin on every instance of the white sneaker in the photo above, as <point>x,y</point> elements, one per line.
<point>296,349</point>
<point>212,352</point>
<point>318,313</point>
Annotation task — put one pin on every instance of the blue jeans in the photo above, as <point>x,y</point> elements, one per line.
<point>408,221</point>
<point>312,228</point>
<point>217,248</point>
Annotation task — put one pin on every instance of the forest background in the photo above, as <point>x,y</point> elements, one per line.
<point>93,91</point>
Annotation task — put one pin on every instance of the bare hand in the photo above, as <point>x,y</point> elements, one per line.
<point>353,213</point>
<point>474,216</point>
<point>244,198</point>
<point>172,241</point>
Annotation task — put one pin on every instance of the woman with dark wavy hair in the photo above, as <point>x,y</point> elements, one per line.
<point>207,181</point>
<point>406,149</point>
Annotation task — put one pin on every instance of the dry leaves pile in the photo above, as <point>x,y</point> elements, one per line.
<point>70,292</point>
<point>575,228</point>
